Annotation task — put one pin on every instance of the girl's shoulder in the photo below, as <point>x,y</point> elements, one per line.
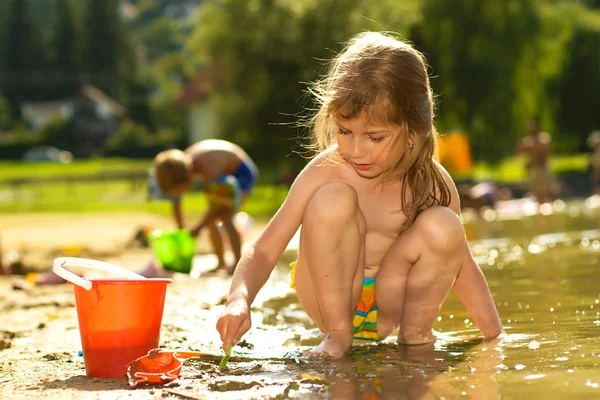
<point>323,167</point>
<point>328,159</point>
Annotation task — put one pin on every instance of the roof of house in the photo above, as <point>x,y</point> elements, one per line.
<point>40,111</point>
<point>99,97</point>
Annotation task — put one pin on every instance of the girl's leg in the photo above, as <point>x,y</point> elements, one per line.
<point>417,274</point>
<point>330,265</point>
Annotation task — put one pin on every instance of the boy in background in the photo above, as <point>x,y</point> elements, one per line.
<point>227,174</point>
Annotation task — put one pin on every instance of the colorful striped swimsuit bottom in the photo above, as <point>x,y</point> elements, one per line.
<point>365,314</point>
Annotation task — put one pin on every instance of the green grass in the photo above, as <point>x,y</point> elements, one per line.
<point>131,194</point>
<point>119,195</point>
<point>100,195</point>
<point>513,169</point>
<point>19,170</point>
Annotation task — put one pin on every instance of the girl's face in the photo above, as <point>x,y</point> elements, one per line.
<point>365,147</point>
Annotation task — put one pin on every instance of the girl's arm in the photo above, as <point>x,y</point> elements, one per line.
<point>259,259</point>
<point>470,285</point>
<point>473,291</point>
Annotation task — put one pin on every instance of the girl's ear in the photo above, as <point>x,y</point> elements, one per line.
<point>411,139</point>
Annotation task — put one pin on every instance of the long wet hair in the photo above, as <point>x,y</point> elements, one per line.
<point>386,80</point>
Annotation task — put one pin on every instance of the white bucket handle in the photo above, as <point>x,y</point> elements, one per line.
<point>58,267</point>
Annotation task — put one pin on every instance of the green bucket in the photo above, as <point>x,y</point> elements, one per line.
<point>174,249</point>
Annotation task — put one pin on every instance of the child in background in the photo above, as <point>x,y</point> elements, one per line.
<point>594,144</point>
<point>482,195</point>
<point>536,145</point>
<point>381,241</point>
<point>228,175</point>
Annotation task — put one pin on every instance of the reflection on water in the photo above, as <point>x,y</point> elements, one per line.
<point>542,265</point>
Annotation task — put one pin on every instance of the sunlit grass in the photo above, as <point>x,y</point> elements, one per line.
<point>20,170</point>
<point>119,195</point>
<point>131,193</point>
<point>514,169</point>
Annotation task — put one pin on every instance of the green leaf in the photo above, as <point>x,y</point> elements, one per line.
<point>225,359</point>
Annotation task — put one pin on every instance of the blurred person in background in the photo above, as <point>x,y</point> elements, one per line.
<point>536,145</point>
<point>594,144</point>
<point>227,174</point>
<point>482,195</point>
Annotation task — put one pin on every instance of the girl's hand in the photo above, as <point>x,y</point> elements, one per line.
<point>234,323</point>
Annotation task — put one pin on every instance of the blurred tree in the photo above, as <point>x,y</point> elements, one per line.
<point>5,7</point>
<point>134,140</point>
<point>593,3</point>
<point>156,34</point>
<point>104,45</point>
<point>5,117</point>
<point>577,90</point>
<point>60,133</point>
<point>16,142</point>
<point>43,12</point>
<point>166,75</point>
<point>129,136</point>
<point>265,52</point>
<point>494,60</point>
<point>242,42</point>
<point>158,37</point>
<point>23,74</point>
<point>136,97</point>
<point>65,60</point>
<point>389,15</point>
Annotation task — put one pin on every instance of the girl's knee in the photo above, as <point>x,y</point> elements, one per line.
<point>332,202</point>
<point>440,228</point>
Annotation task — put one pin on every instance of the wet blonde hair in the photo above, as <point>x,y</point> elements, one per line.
<point>171,170</point>
<point>386,80</point>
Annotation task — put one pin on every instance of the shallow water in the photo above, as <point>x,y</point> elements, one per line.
<point>543,270</point>
<point>542,267</point>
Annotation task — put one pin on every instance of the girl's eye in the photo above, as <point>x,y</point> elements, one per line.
<point>376,139</point>
<point>343,132</point>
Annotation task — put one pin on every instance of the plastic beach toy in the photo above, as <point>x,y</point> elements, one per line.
<point>119,317</point>
<point>161,366</point>
<point>174,249</point>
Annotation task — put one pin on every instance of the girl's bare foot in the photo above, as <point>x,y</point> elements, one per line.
<point>335,344</point>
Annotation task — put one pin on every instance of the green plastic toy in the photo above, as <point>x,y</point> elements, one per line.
<point>173,248</point>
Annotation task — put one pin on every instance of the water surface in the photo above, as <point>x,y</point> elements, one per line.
<point>542,266</point>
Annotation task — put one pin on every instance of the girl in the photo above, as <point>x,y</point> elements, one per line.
<point>381,242</point>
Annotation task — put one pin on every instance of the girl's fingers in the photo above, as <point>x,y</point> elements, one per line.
<point>231,329</point>
<point>228,334</point>
<point>223,328</point>
<point>239,332</point>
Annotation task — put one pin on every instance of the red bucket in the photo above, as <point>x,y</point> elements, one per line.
<point>119,319</point>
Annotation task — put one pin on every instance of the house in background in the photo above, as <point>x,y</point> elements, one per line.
<point>94,114</point>
<point>201,114</point>
<point>39,113</point>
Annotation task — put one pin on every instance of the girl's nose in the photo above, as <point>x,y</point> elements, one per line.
<point>357,148</point>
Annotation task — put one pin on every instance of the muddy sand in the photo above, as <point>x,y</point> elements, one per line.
<point>40,339</point>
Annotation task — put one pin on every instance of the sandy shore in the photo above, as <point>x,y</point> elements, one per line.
<point>40,338</point>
